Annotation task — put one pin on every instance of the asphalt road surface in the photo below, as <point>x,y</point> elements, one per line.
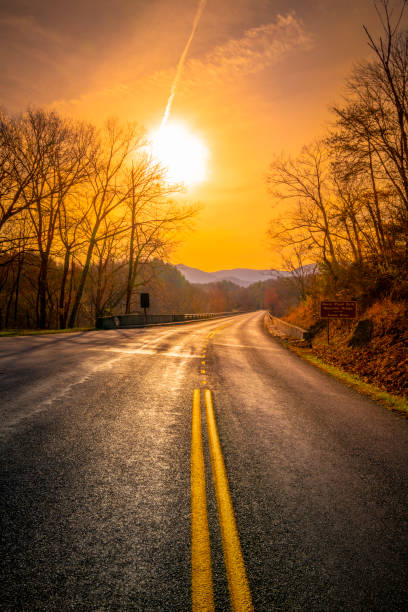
<point>97,476</point>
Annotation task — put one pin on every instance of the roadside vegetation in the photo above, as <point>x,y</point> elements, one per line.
<point>4,333</point>
<point>394,401</point>
<point>83,215</point>
<point>87,221</point>
<point>345,208</point>
<point>169,292</point>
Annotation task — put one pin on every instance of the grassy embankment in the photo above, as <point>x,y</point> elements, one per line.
<point>375,362</point>
<point>37,332</point>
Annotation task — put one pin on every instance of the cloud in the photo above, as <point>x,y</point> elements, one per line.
<point>25,35</point>
<point>35,61</point>
<point>258,48</point>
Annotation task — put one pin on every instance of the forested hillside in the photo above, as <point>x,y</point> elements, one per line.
<point>348,212</point>
<point>83,214</point>
<point>86,219</point>
<point>171,292</point>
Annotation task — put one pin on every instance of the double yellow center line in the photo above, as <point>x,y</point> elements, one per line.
<point>201,572</point>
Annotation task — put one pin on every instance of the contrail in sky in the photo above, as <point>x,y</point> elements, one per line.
<point>182,59</point>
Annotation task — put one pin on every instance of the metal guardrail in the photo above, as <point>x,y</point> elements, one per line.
<point>287,328</point>
<point>139,320</point>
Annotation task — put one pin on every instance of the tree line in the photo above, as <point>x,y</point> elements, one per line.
<point>87,219</point>
<point>84,214</point>
<point>170,292</point>
<point>348,191</point>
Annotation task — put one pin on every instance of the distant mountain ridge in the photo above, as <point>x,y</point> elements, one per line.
<point>240,276</point>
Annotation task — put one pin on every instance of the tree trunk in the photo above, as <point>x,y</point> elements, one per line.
<point>130,280</point>
<point>42,292</point>
<point>9,302</point>
<point>68,301</point>
<point>99,307</point>
<point>129,287</point>
<point>62,306</point>
<point>19,268</point>
<point>84,275</point>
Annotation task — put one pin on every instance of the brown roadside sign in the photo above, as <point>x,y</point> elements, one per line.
<point>338,310</point>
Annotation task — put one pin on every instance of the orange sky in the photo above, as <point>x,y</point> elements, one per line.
<point>258,80</point>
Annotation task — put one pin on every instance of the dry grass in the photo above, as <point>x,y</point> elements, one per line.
<point>40,332</point>
<point>394,402</point>
<point>378,368</point>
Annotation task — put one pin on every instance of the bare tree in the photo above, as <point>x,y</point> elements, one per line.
<point>21,160</point>
<point>306,180</point>
<point>106,191</point>
<point>351,190</point>
<point>72,214</point>
<point>64,166</point>
<point>85,200</point>
<point>153,219</point>
<point>370,138</point>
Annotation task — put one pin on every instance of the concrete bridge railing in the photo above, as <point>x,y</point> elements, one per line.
<point>139,320</point>
<point>285,328</point>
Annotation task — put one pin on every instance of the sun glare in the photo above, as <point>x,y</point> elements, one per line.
<point>182,154</point>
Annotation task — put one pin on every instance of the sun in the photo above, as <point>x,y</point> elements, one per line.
<point>181,153</point>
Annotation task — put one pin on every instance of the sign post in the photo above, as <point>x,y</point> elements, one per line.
<point>144,303</point>
<point>337,310</point>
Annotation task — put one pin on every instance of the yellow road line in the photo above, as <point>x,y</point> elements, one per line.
<point>240,595</point>
<point>201,573</point>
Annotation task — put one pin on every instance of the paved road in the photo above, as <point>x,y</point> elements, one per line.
<point>96,459</point>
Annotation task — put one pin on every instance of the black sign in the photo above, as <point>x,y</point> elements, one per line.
<point>338,310</point>
<point>144,300</point>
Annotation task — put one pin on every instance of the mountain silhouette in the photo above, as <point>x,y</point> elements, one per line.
<point>240,276</point>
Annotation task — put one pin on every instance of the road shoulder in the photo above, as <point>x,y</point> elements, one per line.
<point>393,402</point>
